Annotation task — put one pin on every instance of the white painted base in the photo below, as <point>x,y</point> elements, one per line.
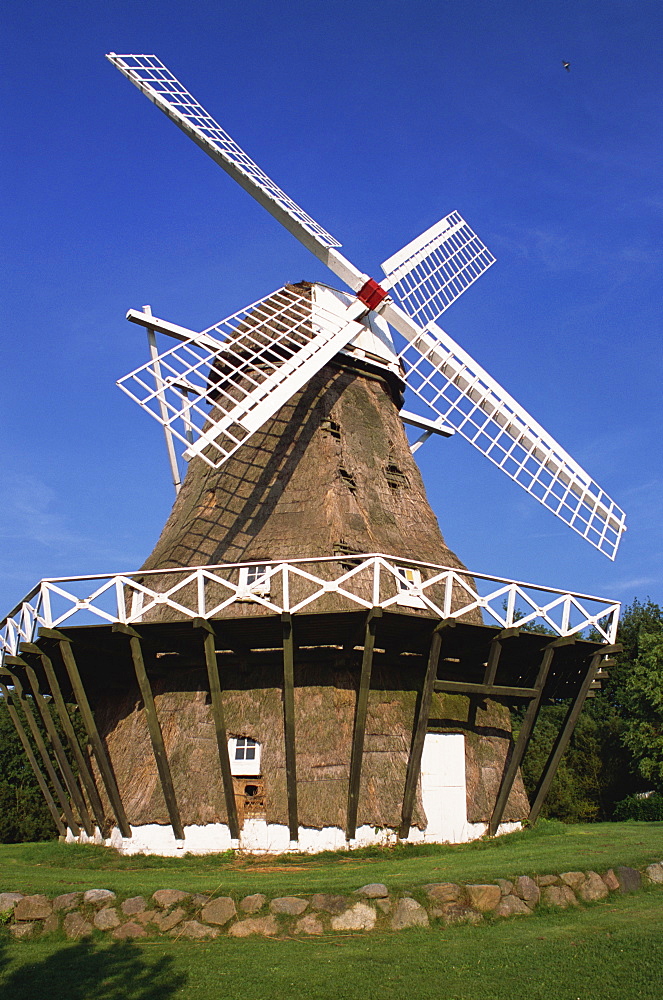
<point>443,791</point>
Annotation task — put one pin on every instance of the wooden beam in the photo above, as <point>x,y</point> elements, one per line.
<point>29,648</point>
<point>63,763</point>
<point>566,732</point>
<point>360,722</point>
<point>486,690</point>
<point>495,653</point>
<point>520,746</point>
<point>219,724</point>
<point>420,727</point>
<point>50,802</point>
<point>19,695</point>
<point>154,728</point>
<point>103,761</point>
<point>289,724</point>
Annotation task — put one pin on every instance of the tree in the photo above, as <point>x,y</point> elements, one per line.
<point>643,729</point>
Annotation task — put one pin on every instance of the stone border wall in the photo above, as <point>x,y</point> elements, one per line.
<point>177,914</point>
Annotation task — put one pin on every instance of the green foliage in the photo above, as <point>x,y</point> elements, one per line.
<point>643,730</point>
<point>649,809</point>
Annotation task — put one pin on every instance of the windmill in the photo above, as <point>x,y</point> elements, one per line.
<point>302,661</point>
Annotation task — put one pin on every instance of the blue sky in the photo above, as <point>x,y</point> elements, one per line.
<point>378,118</point>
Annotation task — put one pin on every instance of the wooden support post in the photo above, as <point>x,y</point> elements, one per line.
<point>19,696</point>
<point>29,648</point>
<point>420,727</point>
<point>566,732</point>
<point>53,809</point>
<point>495,653</point>
<point>518,751</point>
<point>360,722</point>
<point>289,724</point>
<point>219,724</point>
<point>103,762</point>
<point>154,728</point>
<point>65,768</point>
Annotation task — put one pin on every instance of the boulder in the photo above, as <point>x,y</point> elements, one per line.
<point>290,905</point>
<point>33,908</point>
<point>24,930</point>
<point>630,879</point>
<point>267,926</point>
<point>67,901</point>
<point>611,880</point>
<point>483,897</point>
<point>8,900</point>
<point>219,911</point>
<point>96,897</point>
<point>329,903</point>
<point>654,873</point>
<point>133,905</point>
<point>572,879</point>
<point>506,887</point>
<point>129,931</point>
<point>359,917</point>
<point>444,892</point>
<point>166,921</point>
<point>106,919</point>
<point>408,913</point>
<point>51,924</point>
<point>166,898</point>
<point>592,888</point>
<point>546,880</point>
<point>251,904</point>
<point>512,906</point>
<point>559,895</point>
<point>374,890</point>
<point>456,913</point>
<point>310,924</point>
<point>526,889</point>
<point>75,926</point>
<point>195,931</point>
<point>384,905</point>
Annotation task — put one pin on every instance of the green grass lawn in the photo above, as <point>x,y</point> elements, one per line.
<point>549,848</point>
<point>609,951</point>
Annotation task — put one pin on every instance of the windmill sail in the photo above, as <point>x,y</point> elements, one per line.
<point>434,269</point>
<point>458,389</point>
<point>215,390</point>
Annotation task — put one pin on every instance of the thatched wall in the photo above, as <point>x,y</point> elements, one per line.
<point>325,699</point>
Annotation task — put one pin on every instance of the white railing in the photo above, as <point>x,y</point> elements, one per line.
<point>361,581</point>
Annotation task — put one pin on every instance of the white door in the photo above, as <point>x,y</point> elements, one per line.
<point>443,787</point>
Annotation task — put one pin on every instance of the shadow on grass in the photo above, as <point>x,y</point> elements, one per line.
<point>105,971</point>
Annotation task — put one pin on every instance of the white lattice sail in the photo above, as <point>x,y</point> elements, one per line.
<point>155,80</point>
<point>434,269</point>
<point>217,389</point>
<point>458,389</point>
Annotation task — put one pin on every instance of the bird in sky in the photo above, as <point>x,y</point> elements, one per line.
<point>567,66</point>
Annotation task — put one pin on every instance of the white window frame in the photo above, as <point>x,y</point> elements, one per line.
<point>243,767</point>
<point>253,580</point>
<point>407,597</point>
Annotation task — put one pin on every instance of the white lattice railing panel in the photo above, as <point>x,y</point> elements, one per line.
<point>216,390</point>
<point>364,581</point>
<point>465,396</point>
<point>434,269</point>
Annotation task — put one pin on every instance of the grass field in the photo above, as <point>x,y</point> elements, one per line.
<point>609,951</point>
<point>549,848</point>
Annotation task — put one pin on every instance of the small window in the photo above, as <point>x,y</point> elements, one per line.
<point>408,582</point>
<point>253,580</point>
<point>332,428</point>
<point>395,478</point>
<point>343,549</point>
<point>349,480</point>
<point>244,756</point>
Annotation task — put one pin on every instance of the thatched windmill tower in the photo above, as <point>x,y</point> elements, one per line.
<point>302,660</point>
